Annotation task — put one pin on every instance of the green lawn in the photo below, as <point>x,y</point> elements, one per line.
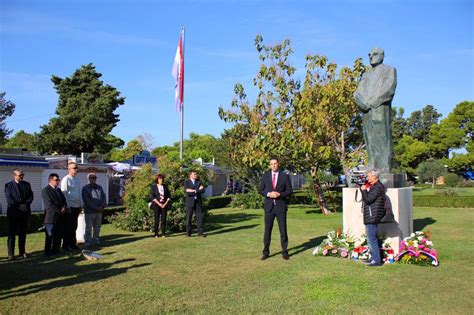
<point>223,274</point>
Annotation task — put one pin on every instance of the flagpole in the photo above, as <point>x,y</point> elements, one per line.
<point>182,107</point>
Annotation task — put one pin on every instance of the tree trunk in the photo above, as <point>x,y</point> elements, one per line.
<point>433,183</point>
<point>319,192</point>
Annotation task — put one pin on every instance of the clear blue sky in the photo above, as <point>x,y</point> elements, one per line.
<point>133,43</point>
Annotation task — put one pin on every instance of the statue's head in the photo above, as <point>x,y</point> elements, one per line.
<point>376,56</point>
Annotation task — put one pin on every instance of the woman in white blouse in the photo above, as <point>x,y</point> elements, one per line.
<point>160,198</point>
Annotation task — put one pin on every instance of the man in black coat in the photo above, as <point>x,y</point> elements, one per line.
<point>55,208</point>
<point>19,198</point>
<point>373,197</point>
<point>193,188</point>
<point>275,186</point>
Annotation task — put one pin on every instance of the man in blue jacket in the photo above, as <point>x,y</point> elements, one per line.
<point>94,200</point>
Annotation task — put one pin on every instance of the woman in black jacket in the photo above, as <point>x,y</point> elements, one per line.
<point>373,196</point>
<point>159,198</point>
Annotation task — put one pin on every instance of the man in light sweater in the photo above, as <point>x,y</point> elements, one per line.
<point>71,188</point>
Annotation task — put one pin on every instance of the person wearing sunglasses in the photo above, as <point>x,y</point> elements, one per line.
<point>19,197</point>
<point>94,200</point>
<point>54,214</point>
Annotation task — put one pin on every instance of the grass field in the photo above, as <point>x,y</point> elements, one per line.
<point>223,274</point>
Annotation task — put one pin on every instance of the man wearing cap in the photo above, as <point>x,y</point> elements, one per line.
<point>94,200</point>
<point>19,198</point>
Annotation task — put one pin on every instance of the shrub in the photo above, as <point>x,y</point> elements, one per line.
<point>447,192</point>
<point>218,202</point>
<point>451,180</point>
<point>250,200</point>
<point>466,183</point>
<point>304,197</point>
<point>138,216</point>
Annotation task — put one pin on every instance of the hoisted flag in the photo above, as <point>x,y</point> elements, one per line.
<point>178,73</point>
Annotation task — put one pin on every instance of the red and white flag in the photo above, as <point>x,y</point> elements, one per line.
<point>178,73</point>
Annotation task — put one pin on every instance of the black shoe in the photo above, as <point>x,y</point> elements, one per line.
<point>202,235</point>
<point>285,256</point>
<point>264,257</point>
<point>374,264</point>
<point>24,256</point>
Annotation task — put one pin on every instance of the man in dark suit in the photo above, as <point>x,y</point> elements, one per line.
<point>19,198</point>
<point>275,186</point>
<point>54,213</point>
<point>193,190</point>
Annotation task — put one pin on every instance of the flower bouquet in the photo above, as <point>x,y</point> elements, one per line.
<point>361,251</point>
<point>337,244</point>
<point>418,249</point>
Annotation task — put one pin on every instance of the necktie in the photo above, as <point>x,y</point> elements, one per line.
<point>274,181</point>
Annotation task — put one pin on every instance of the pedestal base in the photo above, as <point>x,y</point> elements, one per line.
<point>402,207</point>
<point>393,180</point>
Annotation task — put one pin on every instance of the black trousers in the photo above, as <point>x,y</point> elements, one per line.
<point>160,218</point>
<point>53,242</point>
<point>267,236</point>
<point>197,208</point>
<point>17,224</point>
<point>70,227</point>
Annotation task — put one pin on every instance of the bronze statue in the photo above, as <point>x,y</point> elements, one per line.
<point>374,97</point>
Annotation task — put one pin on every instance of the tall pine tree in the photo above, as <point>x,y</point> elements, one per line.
<point>85,115</point>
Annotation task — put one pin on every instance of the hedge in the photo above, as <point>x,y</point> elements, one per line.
<point>444,201</point>
<point>217,202</point>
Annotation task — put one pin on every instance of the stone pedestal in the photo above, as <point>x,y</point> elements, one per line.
<point>402,207</point>
<point>393,180</point>
<point>81,228</point>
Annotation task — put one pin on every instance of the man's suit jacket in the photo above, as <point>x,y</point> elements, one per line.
<point>15,199</point>
<point>155,193</point>
<point>192,197</point>
<point>283,186</point>
<point>54,201</point>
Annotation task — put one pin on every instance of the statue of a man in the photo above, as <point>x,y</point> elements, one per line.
<point>374,97</point>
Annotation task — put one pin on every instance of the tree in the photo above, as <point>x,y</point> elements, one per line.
<point>6,110</point>
<point>408,153</point>
<point>453,132</point>
<point>22,139</point>
<point>451,179</point>
<point>399,124</point>
<point>205,146</point>
<point>460,162</point>
<point>430,170</point>
<point>420,123</point>
<point>85,114</point>
<point>305,126</point>
<point>134,147</point>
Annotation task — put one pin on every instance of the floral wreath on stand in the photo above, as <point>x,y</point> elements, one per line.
<point>418,249</point>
